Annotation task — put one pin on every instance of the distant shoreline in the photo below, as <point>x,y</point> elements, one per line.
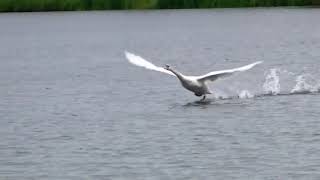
<point>86,5</point>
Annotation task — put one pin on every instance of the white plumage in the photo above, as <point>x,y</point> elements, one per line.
<point>196,84</point>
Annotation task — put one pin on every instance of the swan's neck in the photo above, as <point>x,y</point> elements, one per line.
<point>180,76</point>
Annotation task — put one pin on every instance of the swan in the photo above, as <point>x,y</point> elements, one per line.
<point>196,84</point>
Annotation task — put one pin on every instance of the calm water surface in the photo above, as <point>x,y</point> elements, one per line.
<point>72,107</point>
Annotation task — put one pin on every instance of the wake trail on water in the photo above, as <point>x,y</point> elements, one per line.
<point>303,84</point>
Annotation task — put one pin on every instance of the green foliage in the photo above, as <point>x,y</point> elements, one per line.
<point>70,5</point>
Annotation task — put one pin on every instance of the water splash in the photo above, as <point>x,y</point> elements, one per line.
<point>244,94</point>
<point>302,84</point>
<point>272,82</point>
<point>220,95</point>
<point>305,83</point>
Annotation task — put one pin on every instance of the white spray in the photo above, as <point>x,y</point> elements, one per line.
<point>303,84</point>
<point>272,82</point>
<point>244,94</point>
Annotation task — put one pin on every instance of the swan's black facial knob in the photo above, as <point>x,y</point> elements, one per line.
<point>167,67</point>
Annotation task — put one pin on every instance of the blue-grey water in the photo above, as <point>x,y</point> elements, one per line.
<point>72,107</point>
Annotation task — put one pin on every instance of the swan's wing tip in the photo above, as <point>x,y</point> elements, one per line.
<point>127,53</point>
<point>130,56</point>
<point>258,62</point>
<point>254,64</point>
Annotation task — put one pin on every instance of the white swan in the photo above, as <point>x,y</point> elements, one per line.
<point>196,84</point>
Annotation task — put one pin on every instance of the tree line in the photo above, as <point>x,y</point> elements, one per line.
<point>72,5</point>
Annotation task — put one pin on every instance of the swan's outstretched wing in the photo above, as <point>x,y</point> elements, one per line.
<point>217,74</point>
<point>139,61</point>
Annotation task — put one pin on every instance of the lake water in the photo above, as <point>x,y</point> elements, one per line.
<point>72,107</point>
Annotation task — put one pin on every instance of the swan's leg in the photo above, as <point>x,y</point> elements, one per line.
<point>204,97</point>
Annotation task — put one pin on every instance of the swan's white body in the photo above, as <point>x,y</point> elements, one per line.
<point>196,84</point>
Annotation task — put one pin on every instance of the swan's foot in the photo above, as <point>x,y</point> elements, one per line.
<point>203,98</point>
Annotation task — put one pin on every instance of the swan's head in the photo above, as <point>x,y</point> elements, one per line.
<point>167,67</point>
<point>198,94</point>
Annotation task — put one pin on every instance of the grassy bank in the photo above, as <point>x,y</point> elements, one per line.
<point>71,5</point>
